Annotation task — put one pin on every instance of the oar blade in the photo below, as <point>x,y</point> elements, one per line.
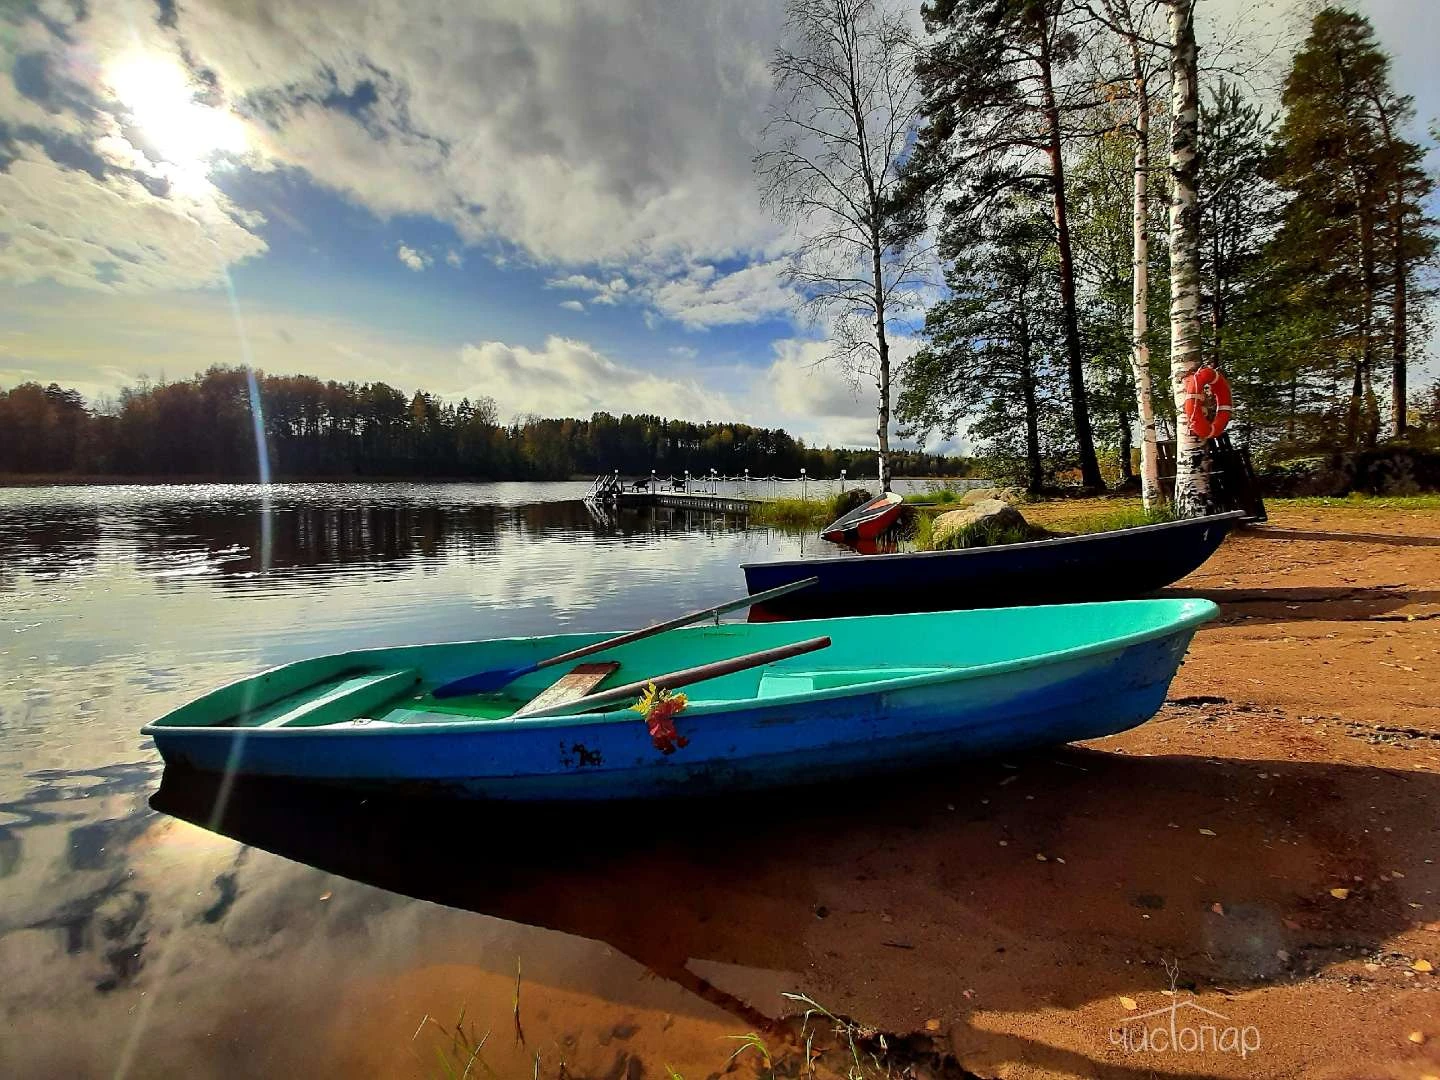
<point>482,682</point>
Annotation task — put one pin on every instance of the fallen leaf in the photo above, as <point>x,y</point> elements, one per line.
<point>932,1025</point>
<point>1417,1037</point>
<point>1218,908</point>
<point>1128,1003</point>
<point>1040,858</point>
<point>1340,894</point>
<point>326,895</point>
<point>1207,832</point>
<point>1290,924</point>
<point>1423,966</point>
<point>1282,956</point>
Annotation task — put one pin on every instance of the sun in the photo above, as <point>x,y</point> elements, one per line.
<point>161,100</point>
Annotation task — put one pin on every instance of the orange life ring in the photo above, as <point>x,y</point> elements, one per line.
<point>1207,402</point>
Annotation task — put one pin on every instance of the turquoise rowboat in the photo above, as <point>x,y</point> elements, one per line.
<point>890,692</point>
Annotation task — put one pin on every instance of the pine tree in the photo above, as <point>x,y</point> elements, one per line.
<point>997,102</point>
<point>995,346</point>
<point>1355,231</point>
<point>1239,217</point>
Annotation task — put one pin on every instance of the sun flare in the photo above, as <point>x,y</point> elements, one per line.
<point>161,99</point>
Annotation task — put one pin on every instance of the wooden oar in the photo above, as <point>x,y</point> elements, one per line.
<point>483,682</point>
<point>674,679</point>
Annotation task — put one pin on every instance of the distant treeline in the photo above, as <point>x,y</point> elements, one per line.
<point>206,426</point>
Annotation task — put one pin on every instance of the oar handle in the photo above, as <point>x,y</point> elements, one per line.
<point>682,620</point>
<point>675,679</point>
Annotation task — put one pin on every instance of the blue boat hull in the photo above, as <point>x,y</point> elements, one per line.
<point>1117,565</point>
<point>1097,692</point>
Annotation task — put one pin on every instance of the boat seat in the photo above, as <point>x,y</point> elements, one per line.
<point>347,699</point>
<point>779,683</point>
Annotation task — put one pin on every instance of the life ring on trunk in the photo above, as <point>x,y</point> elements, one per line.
<point>1207,402</point>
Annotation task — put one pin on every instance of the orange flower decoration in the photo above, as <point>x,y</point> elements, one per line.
<point>659,707</point>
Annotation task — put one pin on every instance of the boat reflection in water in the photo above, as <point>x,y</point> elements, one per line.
<point>612,873</point>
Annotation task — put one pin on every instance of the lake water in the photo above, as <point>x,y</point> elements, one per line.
<point>135,943</point>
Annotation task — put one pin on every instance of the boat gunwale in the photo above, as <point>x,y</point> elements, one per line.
<point>1203,611</point>
<point>1056,541</point>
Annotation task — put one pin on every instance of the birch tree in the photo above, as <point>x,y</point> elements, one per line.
<point>1192,484</point>
<point>845,108</point>
<point>1123,19</point>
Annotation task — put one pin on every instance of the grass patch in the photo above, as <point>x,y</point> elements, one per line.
<point>1121,517</point>
<point>1358,501</point>
<point>1043,521</point>
<point>808,513</point>
<point>982,534</point>
<point>792,513</point>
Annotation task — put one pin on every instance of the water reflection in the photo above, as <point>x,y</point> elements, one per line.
<point>134,929</point>
<point>232,538</point>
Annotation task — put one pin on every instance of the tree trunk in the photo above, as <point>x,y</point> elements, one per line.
<point>1140,280</point>
<point>1193,497</point>
<point>1399,281</point>
<point>1084,436</point>
<point>1398,354</point>
<point>1363,406</point>
<point>1127,472</point>
<point>882,343</point>
<point>1035,478</point>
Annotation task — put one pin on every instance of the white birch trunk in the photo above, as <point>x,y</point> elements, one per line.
<point>1140,276</point>
<point>1192,484</point>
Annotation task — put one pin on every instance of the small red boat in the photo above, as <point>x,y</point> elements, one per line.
<point>866,521</point>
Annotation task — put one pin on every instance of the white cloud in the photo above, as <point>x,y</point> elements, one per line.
<point>413,260</point>
<point>583,133</point>
<point>454,258</point>
<point>572,305</point>
<point>610,291</point>
<point>114,234</point>
<point>89,197</point>
<point>812,396</point>
<point>683,352</point>
<point>701,298</point>
<point>571,378</point>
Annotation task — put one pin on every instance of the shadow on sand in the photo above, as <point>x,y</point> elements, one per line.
<point>1052,881</point>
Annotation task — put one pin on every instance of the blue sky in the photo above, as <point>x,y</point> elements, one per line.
<point>548,202</point>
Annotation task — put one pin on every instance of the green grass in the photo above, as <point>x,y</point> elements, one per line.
<point>792,513</point>
<point>980,534</point>
<point>1358,501</point>
<point>943,497</point>
<point>808,513</point>
<point>1122,517</point>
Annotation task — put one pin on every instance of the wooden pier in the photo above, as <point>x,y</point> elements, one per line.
<point>681,500</point>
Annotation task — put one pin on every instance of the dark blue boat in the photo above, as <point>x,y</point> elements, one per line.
<point>1116,565</point>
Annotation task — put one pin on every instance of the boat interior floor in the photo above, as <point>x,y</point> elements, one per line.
<point>397,696</point>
